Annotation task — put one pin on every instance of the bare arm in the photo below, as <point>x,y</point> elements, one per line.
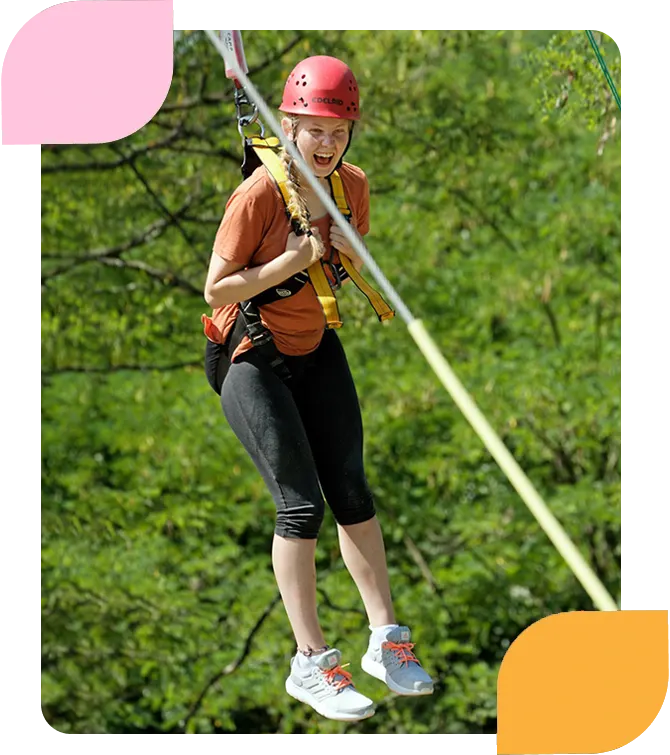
<point>228,282</point>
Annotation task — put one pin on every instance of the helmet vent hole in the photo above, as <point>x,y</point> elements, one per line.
<point>304,83</point>
<point>303,76</point>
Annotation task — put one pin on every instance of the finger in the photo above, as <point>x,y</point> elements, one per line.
<point>341,240</point>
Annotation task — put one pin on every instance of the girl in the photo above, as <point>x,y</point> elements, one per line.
<point>305,434</point>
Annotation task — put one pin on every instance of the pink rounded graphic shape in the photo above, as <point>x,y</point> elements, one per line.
<point>87,72</point>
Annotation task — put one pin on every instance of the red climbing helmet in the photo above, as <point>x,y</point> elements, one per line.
<point>321,86</point>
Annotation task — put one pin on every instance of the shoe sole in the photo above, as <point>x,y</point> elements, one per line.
<point>379,672</point>
<point>304,697</point>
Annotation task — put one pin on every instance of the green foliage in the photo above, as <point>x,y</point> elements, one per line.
<point>567,68</point>
<point>494,164</point>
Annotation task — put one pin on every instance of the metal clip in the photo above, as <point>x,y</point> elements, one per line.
<point>336,274</point>
<point>247,113</point>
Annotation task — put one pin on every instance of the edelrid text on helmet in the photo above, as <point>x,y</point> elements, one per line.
<point>328,100</point>
<point>322,86</point>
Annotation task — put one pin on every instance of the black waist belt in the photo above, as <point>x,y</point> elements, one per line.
<point>219,356</point>
<point>261,338</point>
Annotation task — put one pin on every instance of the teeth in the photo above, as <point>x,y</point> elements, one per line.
<point>318,154</point>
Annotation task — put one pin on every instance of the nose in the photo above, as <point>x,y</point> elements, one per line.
<point>327,140</point>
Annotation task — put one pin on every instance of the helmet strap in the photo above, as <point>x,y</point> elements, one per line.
<point>339,163</point>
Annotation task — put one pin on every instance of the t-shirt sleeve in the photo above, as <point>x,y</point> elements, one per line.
<point>363,212</point>
<point>244,224</point>
<point>357,190</point>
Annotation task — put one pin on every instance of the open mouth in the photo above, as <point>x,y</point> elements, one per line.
<point>323,159</point>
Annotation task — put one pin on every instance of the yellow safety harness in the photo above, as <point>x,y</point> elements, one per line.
<point>267,152</point>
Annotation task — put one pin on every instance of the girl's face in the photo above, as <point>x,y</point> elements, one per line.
<point>321,141</point>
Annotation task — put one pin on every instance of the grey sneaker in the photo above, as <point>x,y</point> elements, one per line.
<point>393,662</point>
<point>323,684</point>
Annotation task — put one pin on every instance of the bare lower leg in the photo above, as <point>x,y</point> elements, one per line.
<point>362,547</point>
<point>295,571</point>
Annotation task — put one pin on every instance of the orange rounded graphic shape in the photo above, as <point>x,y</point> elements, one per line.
<point>582,682</point>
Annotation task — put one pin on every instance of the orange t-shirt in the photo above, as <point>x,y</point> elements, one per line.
<point>253,231</point>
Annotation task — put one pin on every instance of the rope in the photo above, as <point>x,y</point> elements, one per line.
<point>516,476</point>
<point>603,65</point>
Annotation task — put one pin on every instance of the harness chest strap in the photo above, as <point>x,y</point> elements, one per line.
<point>265,149</point>
<point>384,312</point>
<point>325,295</point>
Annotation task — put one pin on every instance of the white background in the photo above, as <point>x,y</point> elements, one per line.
<point>19,491</point>
<point>19,419</point>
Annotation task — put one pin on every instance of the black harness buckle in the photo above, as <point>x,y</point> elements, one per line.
<point>258,334</point>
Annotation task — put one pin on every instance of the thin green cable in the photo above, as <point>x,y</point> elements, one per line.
<point>603,65</point>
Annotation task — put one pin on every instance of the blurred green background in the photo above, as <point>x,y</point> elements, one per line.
<point>494,165</point>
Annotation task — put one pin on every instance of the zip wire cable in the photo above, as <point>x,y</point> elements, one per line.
<point>603,65</point>
<point>516,476</point>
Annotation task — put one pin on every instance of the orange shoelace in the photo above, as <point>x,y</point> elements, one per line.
<point>331,673</point>
<point>402,651</point>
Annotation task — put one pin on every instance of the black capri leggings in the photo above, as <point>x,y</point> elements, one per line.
<point>306,440</point>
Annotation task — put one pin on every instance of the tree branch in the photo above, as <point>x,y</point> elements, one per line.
<point>467,200</point>
<point>206,100</point>
<point>420,561</point>
<point>546,306</point>
<point>78,167</point>
<point>164,276</point>
<point>132,164</point>
<point>193,102</point>
<point>334,606</point>
<point>463,196</point>
<point>215,152</point>
<point>150,233</point>
<point>545,298</point>
<point>563,461</point>
<point>234,665</point>
<point>204,219</point>
<point>121,368</point>
<point>269,61</point>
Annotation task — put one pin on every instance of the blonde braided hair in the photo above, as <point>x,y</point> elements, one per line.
<point>296,204</point>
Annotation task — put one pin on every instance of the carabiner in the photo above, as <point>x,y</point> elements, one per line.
<point>248,120</point>
<point>243,121</point>
<point>336,274</point>
<point>242,108</point>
